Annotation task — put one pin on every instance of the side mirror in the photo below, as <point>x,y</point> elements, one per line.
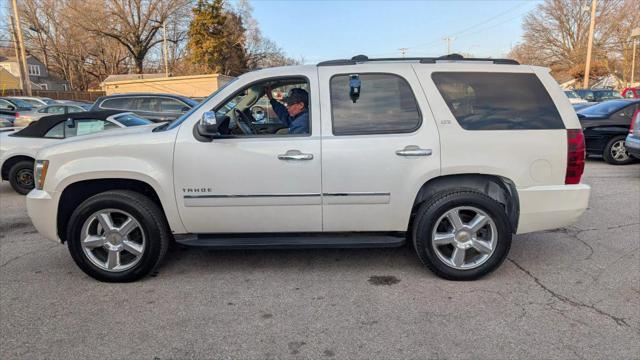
<point>185,109</point>
<point>11,108</point>
<point>208,125</point>
<point>354,87</point>
<point>589,98</point>
<point>70,123</point>
<point>580,116</point>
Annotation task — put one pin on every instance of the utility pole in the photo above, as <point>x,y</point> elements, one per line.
<point>20,51</point>
<point>634,35</point>
<point>403,51</point>
<point>166,49</point>
<point>587,67</point>
<point>448,40</point>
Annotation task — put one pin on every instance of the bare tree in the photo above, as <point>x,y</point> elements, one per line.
<point>132,23</point>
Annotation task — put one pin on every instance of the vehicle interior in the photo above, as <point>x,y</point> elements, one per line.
<point>248,111</point>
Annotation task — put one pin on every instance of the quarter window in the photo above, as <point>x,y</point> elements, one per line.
<point>385,104</point>
<point>497,101</point>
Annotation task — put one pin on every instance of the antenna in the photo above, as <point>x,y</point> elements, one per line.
<point>403,51</point>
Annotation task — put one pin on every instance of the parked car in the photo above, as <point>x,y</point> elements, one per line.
<point>631,93</point>
<point>577,107</point>
<point>27,117</point>
<point>155,107</point>
<point>574,98</point>
<point>5,122</point>
<point>427,150</point>
<point>605,127</point>
<point>12,109</point>
<point>18,148</point>
<point>633,139</point>
<point>598,95</point>
<point>35,101</point>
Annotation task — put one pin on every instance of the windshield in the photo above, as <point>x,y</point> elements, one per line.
<point>131,120</point>
<point>571,94</point>
<point>607,94</point>
<point>604,108</point>
<point>184,116</point>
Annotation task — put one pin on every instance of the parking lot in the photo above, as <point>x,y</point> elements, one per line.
<point>570,293</point>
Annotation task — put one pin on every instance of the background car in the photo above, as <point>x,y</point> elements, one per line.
<point>35,101</point>
<point>26,118</point>
<point>155,107</point>
<point>574,98</point>
<point>631,93</point>
<point>605,126</point>
<point>633,139</point>
<point>18,149</point>
<point>598,95</point>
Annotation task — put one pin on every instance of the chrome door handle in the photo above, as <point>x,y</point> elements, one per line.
<point>413,150</point>
<point>295,155</point>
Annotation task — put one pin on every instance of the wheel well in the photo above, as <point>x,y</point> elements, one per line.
<point>74,194</point>
<point>12,161</point>
<point>498,188</point>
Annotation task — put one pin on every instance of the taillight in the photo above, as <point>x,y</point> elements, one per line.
<point>575,156</point>
<point>635,120</point>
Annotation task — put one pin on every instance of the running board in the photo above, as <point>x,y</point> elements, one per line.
<point>293,241</point>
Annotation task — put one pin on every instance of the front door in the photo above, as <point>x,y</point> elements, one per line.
<point>250,182</point>
<point>379,145</point>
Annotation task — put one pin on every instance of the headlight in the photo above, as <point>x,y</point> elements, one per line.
<point>40,173</point>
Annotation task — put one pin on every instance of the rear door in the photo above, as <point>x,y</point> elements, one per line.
<point>378,147</point>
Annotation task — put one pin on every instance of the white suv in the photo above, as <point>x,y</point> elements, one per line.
<point>452,155</point>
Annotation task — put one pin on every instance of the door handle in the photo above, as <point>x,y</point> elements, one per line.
<point>413,150</point>
<point>295,155</point>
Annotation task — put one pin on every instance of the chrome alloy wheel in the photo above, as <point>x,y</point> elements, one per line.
<point>112,240</point>
<point>619,151</point>
<point>464,237</point>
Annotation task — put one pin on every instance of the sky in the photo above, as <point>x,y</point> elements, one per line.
<point>316,30</point>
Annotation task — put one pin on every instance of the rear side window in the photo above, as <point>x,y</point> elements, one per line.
<point>385,105</point>
<point>121,103</point>
<point>498,101</point>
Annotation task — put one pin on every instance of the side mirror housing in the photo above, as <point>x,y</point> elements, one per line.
<point>208,125</point>
<point>70,123</point>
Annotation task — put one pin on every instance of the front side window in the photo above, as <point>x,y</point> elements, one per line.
<point>497,101</point>
<point>55,110</point>
<point>384,104</point>
<point>270,107</point>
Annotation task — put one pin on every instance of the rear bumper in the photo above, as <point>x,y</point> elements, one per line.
<point>633,146</point>
<point>43,211</point>
<point>551,207</point>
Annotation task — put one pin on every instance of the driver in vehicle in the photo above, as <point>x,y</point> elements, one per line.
<point>295,115</point>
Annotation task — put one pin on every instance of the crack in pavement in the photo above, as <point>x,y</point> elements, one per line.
<point>25,254</point>
<point>618,320</point>
<point>621,226</point>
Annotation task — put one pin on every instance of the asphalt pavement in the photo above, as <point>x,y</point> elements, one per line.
<point>570,293</point>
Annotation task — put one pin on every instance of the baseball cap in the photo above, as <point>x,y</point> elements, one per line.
<point>297,95</point>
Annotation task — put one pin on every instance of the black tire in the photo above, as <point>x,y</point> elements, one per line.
<point>152,223</point>
<point>429,213</point>
<point>21,177</point>
<point>608,149</point>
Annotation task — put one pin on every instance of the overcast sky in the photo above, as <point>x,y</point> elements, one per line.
<point>321,30</point>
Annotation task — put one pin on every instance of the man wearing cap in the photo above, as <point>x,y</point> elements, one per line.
<point>296,114</point>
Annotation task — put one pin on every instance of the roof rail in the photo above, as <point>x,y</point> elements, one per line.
<point>423,60</point>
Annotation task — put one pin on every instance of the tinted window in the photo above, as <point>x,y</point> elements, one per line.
<point>386,105</point>
<point>56,131</point>
<point>604,108</point>
<point>607,94</point>
<point>172,105</point>
<point>498,101</point>
<point>117,103</point>
<point>132,120</point>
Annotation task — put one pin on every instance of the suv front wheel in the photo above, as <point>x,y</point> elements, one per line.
<point>118,236</point>
<point>461,235</point>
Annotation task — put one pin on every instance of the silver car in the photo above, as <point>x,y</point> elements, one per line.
<point>27,117</point>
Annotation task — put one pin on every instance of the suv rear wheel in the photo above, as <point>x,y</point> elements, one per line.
<point>118,236</point>
<point>461,235</point>
<point>615,152</point>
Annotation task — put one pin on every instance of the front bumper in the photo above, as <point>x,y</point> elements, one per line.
<point>633,146</point>
<point>551,207</point>
<point>43,211</point>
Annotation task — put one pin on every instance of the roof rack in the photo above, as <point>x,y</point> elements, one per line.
<point>423,60</point>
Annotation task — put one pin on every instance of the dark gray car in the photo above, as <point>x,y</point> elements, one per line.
<point>155,107</point>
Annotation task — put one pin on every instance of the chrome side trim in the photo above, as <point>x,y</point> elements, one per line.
<point>358,194</point>
<point>353,198</point>
<point>242,196</point>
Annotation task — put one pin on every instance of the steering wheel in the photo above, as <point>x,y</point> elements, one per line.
<point>243,122</point>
